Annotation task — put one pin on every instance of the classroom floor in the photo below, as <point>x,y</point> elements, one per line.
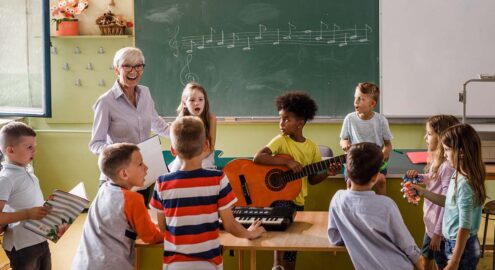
<point>63,251</point>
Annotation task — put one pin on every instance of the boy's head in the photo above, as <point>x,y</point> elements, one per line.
<point>18,143</point>
<point>188,136</point>
<point>366,97</point>
<point>295,109</point>
<point>123,163</point>
<point>363,162</point>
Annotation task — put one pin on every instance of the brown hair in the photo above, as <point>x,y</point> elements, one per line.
<point>369,89</point>
<point>363,162</point>
<point>465,144</point>
<point>439,123</point>
<point>115,157</point>
<point>188,136</point>
<point>205,114</point>
<point>11,133</point>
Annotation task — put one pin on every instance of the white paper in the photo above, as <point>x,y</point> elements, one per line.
<point>151,151</point>
<point>79,190</point>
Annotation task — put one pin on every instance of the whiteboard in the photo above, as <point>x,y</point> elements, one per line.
<point>428,49</point>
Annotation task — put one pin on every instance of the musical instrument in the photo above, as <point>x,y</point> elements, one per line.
<point>261,185</point>
<point>272,218</point>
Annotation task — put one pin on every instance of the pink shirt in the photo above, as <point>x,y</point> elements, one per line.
<point>433,214</point>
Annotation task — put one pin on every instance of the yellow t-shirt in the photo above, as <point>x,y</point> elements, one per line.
<point>306,152</point>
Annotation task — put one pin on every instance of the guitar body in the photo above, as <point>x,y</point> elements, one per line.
<point>260,185</point>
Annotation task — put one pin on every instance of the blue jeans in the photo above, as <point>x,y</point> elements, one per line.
<point>470,256</point>
<point>438,256</point>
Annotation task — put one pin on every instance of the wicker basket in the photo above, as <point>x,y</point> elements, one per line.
<point>112,30</point>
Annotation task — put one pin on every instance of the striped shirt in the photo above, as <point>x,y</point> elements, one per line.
<point>190,201</point>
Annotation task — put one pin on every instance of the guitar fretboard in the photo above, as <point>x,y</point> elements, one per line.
<point>313,168</point>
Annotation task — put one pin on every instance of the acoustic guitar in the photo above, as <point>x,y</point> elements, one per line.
<point>261,185</point>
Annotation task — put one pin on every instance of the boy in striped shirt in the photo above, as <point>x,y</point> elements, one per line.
<point>190,201</point>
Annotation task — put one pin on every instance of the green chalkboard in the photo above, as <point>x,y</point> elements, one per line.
<point>245,53</point>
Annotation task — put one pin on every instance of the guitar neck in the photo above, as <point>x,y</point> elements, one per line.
<point>314,168</point>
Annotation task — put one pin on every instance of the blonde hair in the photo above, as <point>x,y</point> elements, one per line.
<point>439,123</point>
<point>369,89</point>
<point>115,157</point>
<point>188,136</point>
<point>130,55</point>
<point>466,152</point>
<point>205,114</point>
<point>11,133</point>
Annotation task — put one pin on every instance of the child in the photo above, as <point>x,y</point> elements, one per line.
<point>190,200</point>
<point>370,225</point>
<point>117,215</point>
<point>465,196</point>
<point>195,102</point>
<point>21,199</point>
<point>294,109</point>
<point>365,125</point>
<point>437,179</point>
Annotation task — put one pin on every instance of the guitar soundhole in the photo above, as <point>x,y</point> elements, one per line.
<point>274,181</point>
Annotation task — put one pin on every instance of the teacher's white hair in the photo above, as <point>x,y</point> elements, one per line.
<point>128,55</point>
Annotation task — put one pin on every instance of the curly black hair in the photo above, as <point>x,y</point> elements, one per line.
<point>298,103</point>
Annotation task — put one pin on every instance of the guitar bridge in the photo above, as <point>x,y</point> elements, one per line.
<point>245,190</point>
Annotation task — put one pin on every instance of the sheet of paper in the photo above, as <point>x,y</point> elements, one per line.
<point>151,151</point>
<point>417,157</point>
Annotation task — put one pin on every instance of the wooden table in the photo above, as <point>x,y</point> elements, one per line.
<point>307,233</point>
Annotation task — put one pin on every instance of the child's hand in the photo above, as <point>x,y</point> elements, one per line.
<point>334,169</point>
<point>411,174</point>
<point>255,230</point>
<point>2,228</point>
<point>420,189</point>
<point>345,144</point>
<point>294,165</point>
<point>435,242</point>
<point>37,213</point>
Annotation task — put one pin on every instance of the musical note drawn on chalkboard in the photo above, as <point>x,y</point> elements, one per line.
<point>291,26</point>
<point>335,27</point>
<point>191,47</point>
<point>234,38</point>
<point>186,75</point>
<point>355,33</point>
<point>278,38</point>
<point>320,37</point>
<point>202,46</point>
<point>220,42</point>
<point>210,40</point>
<point>262,29</point>
<point>366,33</point>
<point>342,44</point>
<point>248,47</point>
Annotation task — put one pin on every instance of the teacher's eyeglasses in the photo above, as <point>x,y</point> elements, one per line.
<point>128,68</point>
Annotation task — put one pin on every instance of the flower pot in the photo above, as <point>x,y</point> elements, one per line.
<point>67,28</point>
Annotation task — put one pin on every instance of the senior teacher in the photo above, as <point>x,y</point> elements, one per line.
<point>126,112</point>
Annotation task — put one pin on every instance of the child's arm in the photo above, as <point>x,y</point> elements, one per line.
<point>139,219</point>
<point>460,244</point>
<point>435,198</point>
<point>35,213</point>
<point>264,156</point>
<point>345,144</point>
<point>235,228</point>
<point>160,218</point>
<point>386,149</point>
<point>213,131</point>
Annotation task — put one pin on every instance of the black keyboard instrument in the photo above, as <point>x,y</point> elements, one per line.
<point>272,218</point>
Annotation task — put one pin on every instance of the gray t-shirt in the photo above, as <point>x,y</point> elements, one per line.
<point>357,130</point>
<point>372,229</point>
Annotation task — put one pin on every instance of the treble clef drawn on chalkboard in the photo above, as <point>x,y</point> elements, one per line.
<point>366,27</point>
<point>289,36</point>
<point>185,73</point>
<point>173,43</point>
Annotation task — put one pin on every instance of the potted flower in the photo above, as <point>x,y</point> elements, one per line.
<point>63,12</point>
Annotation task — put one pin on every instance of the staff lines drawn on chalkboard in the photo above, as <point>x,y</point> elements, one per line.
<point>247,41</point>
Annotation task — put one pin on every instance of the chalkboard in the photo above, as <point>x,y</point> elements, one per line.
<point>245,53</point>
